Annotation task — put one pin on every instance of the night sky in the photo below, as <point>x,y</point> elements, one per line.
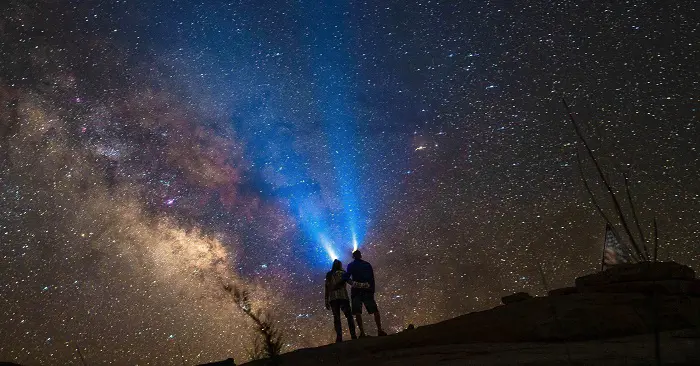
<point>152,152</point>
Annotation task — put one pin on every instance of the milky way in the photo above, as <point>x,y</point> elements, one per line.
<point>153,152</point>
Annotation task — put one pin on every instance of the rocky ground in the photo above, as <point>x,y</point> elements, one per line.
<point>677,348</point>
<point>608,318</point>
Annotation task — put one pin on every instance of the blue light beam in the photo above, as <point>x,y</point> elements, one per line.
<point>333,69</point>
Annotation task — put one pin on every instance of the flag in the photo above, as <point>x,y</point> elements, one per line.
<point>613,251</point>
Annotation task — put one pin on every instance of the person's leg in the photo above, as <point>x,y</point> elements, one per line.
<point>378,321</point>
<point>345,307</point>
<point>357,310</point>
<point>372,308</point>
<point>358,320</point>
<point>335,307</point>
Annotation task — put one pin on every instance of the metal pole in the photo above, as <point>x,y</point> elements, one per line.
<point>82,359</point>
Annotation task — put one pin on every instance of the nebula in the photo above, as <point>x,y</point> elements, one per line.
<point>155,153</point>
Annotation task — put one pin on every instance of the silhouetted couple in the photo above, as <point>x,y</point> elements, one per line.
<point>360,276</point>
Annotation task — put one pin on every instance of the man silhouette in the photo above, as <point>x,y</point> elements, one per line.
<point>361,276</point>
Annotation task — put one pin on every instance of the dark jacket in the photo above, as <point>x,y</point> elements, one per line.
<point>360,271</point>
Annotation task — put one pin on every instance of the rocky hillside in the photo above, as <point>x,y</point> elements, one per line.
<point>608,318</point>
<point>677,348</point>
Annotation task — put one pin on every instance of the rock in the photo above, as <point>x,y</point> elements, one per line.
<point>644,271</point>
<point>687,333</point>
<point>516,297</point>
<point>562,291</point>
<point>577,316</point>
<point>667,287</point>
<point>227,362</point>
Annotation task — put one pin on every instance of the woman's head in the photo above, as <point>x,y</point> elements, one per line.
<point>337,265</point>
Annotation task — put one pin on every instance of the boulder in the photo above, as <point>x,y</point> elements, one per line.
<point>644,271</point>
<point>666,287</point>
<point>578,316</point>
<point>516,297</point>
<point>562,291</point>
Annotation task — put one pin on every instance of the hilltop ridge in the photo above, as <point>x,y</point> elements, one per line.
<point>609,318</point>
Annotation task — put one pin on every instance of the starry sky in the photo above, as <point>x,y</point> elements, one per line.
<point>153,151</point>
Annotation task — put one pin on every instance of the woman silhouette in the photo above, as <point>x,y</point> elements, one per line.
<point>337,300</point>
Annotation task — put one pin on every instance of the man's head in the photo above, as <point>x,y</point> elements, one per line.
<point>356,255</point>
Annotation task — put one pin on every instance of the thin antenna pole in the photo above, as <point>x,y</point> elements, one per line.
<point>602,258</point>
<point>608,188</point>
<point>182,356</point>
<point>77,348</point>
<point>590,191</point>
<point>595,202</point>
<point>656,241</point>
<point>634,213</point>
<point>540,271</point>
